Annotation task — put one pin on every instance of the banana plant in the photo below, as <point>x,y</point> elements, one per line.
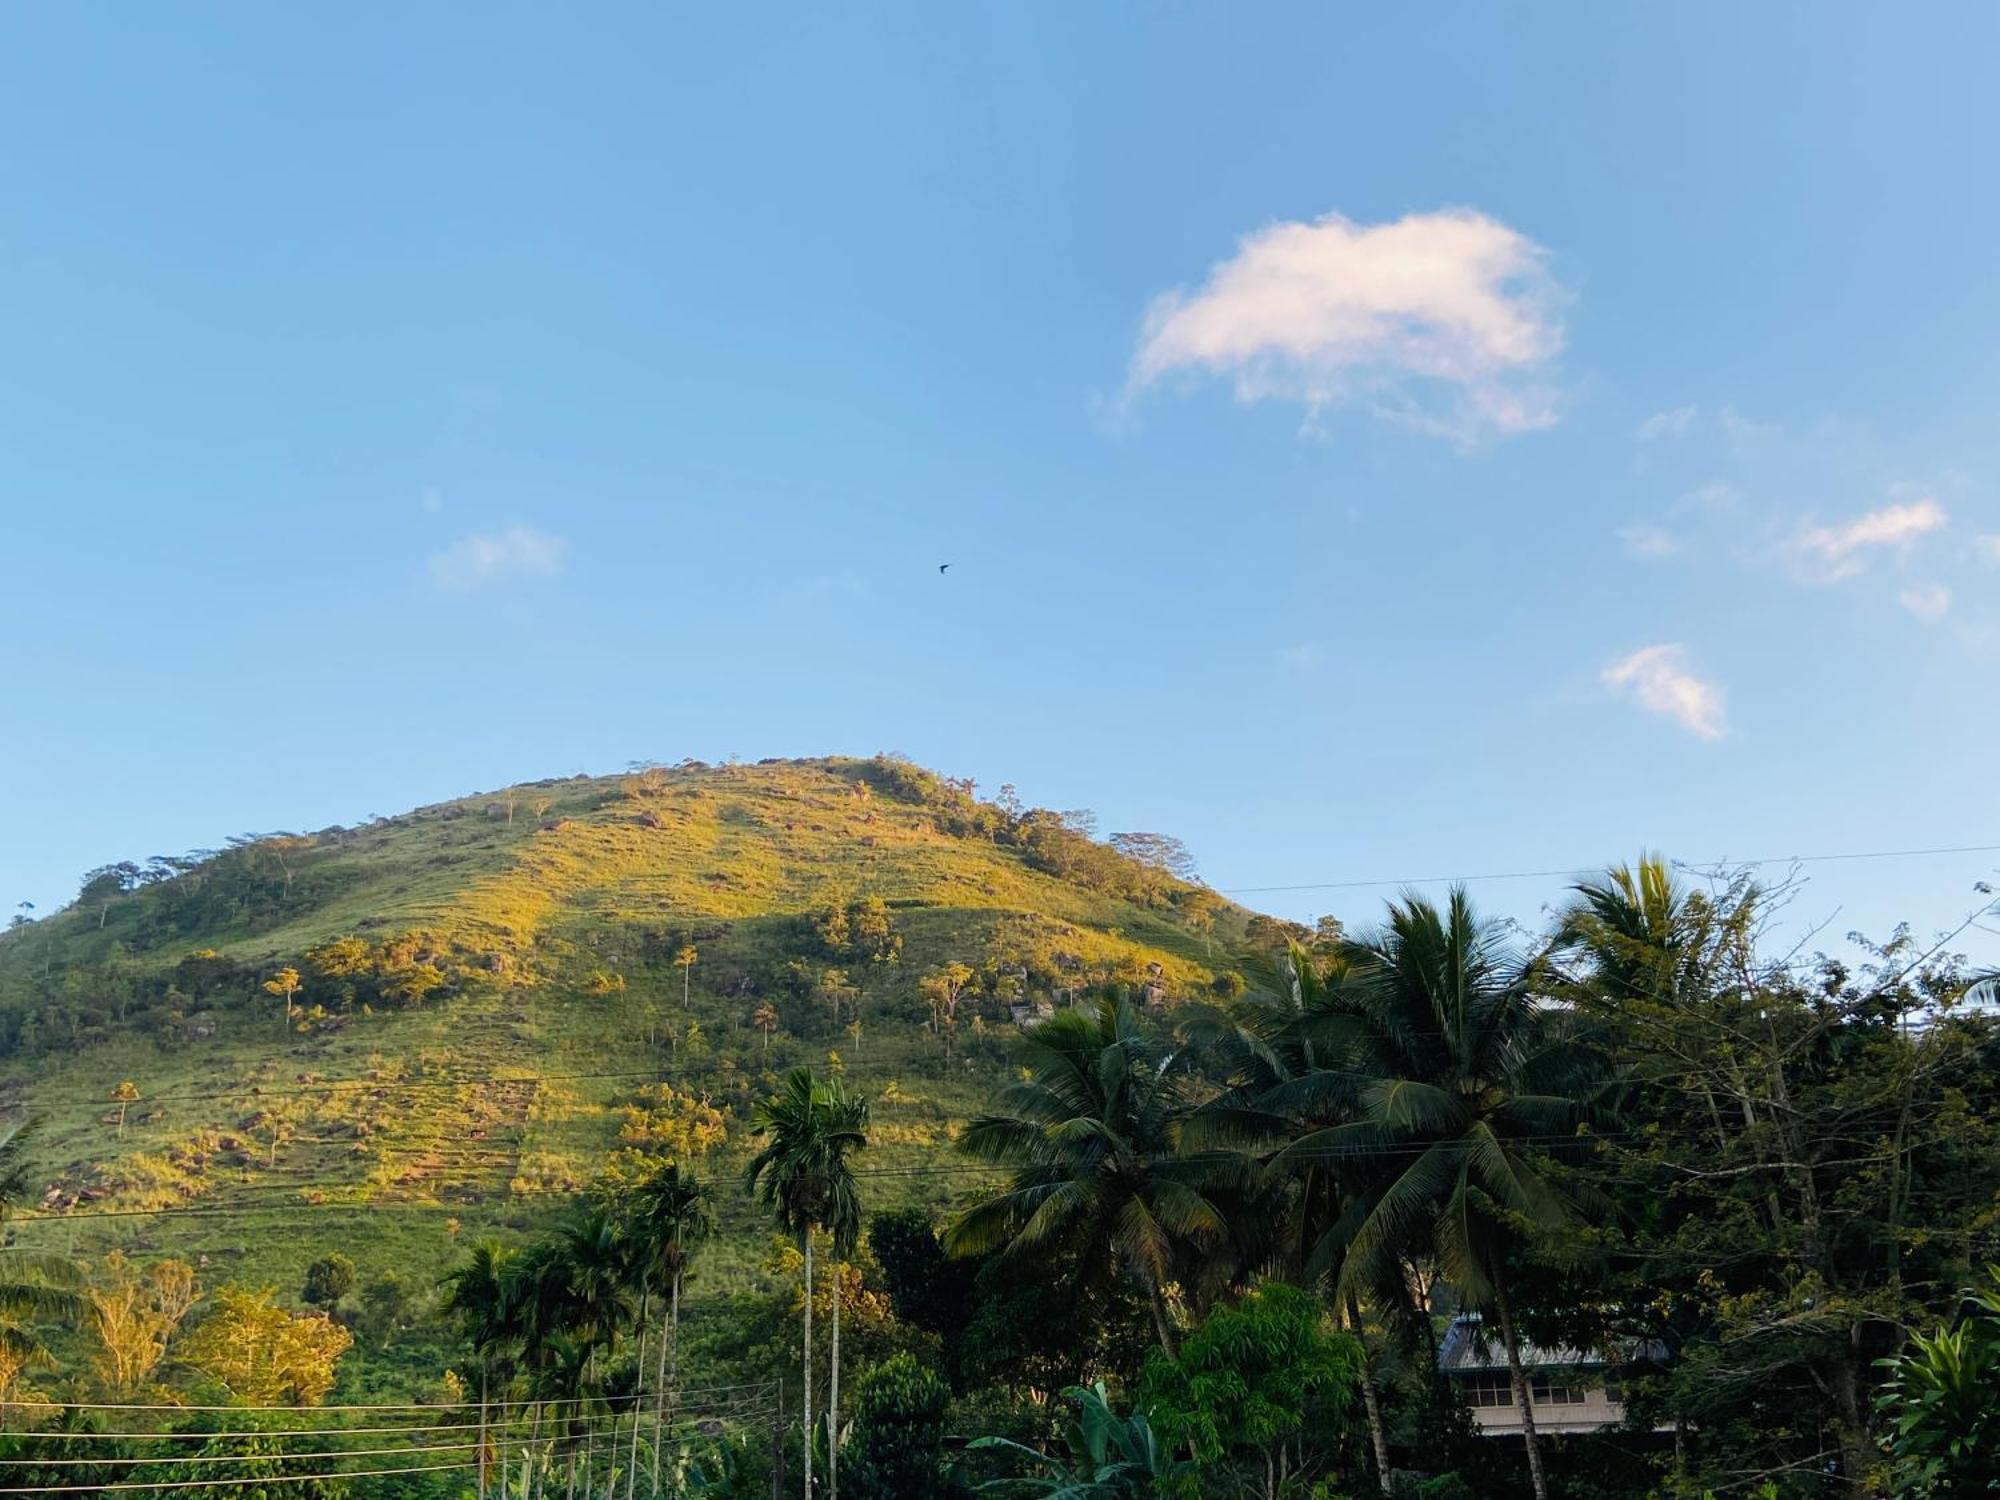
<point>1110,1457</point>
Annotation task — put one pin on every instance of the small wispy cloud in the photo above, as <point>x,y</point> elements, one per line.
<point>1445,322</point>
<point>1987,547</point>
<point>1824,554</point>
<point>1714,496</point>
<point>1661,681</point>
<point>1643,539</point>
<point>1304,657</point>
<point>474,562</point>
<point>1683,421</point>
<point>1734,424</point>
<point>1927,601</point>
<point>1675,422</point>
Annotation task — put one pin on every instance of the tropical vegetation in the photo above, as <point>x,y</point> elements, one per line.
<point>825,1127</point>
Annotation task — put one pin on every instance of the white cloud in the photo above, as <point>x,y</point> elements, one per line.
<point>1734,424</point>
<point>1680,421</point>
<point>1305,657</point>
<point>1643,539</point>
<point>518,552</point>
<point>1660,680</point>
<point>1988,547</point>
<point>1715,495</point>
<point>1828,554</point>
<point>1677,422</point>
<point>1443,321</point>
<point>1927,601</point>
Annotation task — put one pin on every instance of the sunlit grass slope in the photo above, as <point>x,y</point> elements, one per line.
<point>554,914</point>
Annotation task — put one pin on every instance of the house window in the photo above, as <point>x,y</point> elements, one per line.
<point>1548,1392</point>
<point>1495,1389</point>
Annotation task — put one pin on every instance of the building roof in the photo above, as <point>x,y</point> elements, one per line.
<point>1467,1348</point>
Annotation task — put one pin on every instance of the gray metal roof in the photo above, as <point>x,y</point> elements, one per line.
<point>1467,1348</point>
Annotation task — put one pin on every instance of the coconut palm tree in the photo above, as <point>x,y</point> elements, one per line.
<point>476,1298</point>
<point>1472,1081</point>
<point>666,1220</point>
<point>1644,938</point>
<point>1290,1058</point>
<point>803,1176</point>
<point>1089,1134</point>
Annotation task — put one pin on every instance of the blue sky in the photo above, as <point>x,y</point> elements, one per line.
<point>1370,442</point>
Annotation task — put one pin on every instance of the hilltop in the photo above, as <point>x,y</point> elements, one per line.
<point>389,1036</point>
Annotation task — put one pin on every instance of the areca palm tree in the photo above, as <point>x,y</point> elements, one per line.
<point>564,1381</point>
<point>803,1175</point>
<point>596,1260</point>
<point>565,1298</point>
<point>1090,1137</point>
<point>537,1309</point>
<point>666,1220</point>
<point>1470,1081</point>
<point>592,1253</point>
<point>476,1298</point>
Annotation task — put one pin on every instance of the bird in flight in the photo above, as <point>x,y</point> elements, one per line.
<point>943,566</point>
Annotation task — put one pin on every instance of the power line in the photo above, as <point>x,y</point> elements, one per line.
<point>129,1486</point>
<point>913,1171</point>
<point>941,1169</point>
<point>470,1423</point>
<point>169,1406</point>
<point>171,1459</point>
<point>752,1409</point>
<point>1598,869</point>
<point>256,1093</point>
<point>496,1436</point>
<point>700,1401</point>
<point>370,1085</point>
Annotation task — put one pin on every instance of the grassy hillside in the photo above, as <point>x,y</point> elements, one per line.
<point>489,993</point>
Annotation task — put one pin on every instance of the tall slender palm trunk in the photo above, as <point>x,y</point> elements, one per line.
<point>833,1399</point>
<point>1161,1326</point>
<point>1504,1306</point>
<point>806,1458</point>
<point>638,1384</point>
<point>1378,1437</point>
<point>662,1416</point>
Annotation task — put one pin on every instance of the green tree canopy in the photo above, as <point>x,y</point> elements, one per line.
<point>1250,1382</point>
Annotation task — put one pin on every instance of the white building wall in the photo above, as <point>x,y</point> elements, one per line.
<point>1596,1410</point>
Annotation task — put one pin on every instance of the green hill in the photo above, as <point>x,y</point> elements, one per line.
<point>489,1004</point>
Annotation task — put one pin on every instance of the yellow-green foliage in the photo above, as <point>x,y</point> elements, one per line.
<point>669,1124</point>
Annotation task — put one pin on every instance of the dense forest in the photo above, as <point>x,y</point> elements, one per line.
<point>981,1156</point>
